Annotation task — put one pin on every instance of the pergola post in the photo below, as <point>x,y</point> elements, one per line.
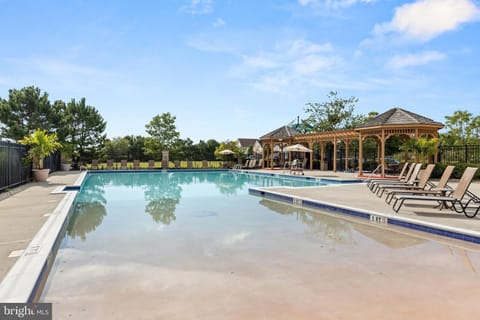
<point>322,155</point>
<point>347,143</point>
<point>310,146</point>
<point>383,153</point>
<point>360,154</point>
<point>335,154</point>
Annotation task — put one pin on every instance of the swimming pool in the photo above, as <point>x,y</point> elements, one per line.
<point>180,245</point>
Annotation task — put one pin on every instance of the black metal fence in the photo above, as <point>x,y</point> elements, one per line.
<point>14,170</point>
<point>459,154</point>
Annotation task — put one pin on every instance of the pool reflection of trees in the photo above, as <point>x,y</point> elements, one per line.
<point>89,209</point>
<point>163,198</point>
<point>338,231</point>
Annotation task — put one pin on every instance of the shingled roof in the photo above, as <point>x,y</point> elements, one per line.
<point>246,142</point>
<point>398,116</point>
<point>282,132</point>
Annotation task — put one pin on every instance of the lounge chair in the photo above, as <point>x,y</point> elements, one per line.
<point>252,164</point>
<point>440,188</point>
<point>414,175</point>
<point>151,164</point>
<point>420,185</point>
<point>110,164</point>
<point>136,164</point>
<point>399,178</point>
<point>455,199</point>
<point>94,164</point>
<point>374,185</point>
<point>123,164</point>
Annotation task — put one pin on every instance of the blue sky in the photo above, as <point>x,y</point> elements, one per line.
<point>241,68</point>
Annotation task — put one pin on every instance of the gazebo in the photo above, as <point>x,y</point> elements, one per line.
<point>280,137</point>
<point>393,122</point>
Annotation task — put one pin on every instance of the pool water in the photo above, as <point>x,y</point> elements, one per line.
<point>196,245</point>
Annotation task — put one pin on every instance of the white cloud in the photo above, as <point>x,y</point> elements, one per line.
<point>198,7</point>
<point>332,4</point>
<point>296,61</point>
<point>426,19</point>
<point>401,61</point>
<point>219,22</point>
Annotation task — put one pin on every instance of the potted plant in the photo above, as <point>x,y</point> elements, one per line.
<point>41,146</point>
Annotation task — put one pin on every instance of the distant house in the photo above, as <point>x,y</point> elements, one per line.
<point>245,144</point>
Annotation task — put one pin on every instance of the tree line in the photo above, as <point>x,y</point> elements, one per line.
<point>80,128</point>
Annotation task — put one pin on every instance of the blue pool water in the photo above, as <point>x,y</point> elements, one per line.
<point>196,245</point>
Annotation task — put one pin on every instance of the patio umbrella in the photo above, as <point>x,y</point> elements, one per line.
<point>226,152</point>
<point>297,148</point>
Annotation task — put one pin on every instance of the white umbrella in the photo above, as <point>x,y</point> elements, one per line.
<point>226,152</point>
<point>297,148</point>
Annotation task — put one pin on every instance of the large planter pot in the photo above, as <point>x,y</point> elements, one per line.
<point>66,166</point>
<point>40,175</point>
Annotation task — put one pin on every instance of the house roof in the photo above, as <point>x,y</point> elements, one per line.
<point>282,132</point>
<point>246,142</point>
<point>398,116</point>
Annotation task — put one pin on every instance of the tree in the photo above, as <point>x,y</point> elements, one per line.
<point>474,129</point>
<point>117,148</point>
<point>206,150</point>
<point>457,126</point>
<point>84,128</point>
<point>136,145</point>
<point>163,134</point>
<point>184,149</point>
<point>25,111</point>
<point>337,113</point>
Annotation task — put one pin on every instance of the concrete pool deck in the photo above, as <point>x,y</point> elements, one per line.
<point>24,210</point>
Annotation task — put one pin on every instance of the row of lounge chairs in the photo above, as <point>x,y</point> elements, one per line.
<point>415,185</point>
<point>123,165</point>
<point>249,164</point>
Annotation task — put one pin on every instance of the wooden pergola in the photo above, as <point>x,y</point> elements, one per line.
<point>394,122</point>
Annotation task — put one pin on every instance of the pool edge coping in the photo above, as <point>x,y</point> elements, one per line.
<point>25,278</point>
<point>375,217</point>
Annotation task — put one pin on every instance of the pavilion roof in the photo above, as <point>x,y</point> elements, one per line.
<point>398,116</point>
<point>280,133</point>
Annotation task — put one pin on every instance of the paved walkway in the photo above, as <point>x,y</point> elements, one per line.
<point>24,210</point>
<point>358,196</point>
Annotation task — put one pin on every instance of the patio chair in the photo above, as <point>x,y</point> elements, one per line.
<point>296,167</point>
<point>110,164</point>
<point>399,177</point>
<point>421,184</point>
<point>189,164</point>
<point>177,164</point>
<point>136,164</point>
<point>94,164</point>
<point>412,179</point>
<point>123,164</point>
<point>455,199</point>
<point>441,188</point>
<point>151,164</point>
<point>252,164</point>
<point>204,164</point>
<point>373,185</point>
